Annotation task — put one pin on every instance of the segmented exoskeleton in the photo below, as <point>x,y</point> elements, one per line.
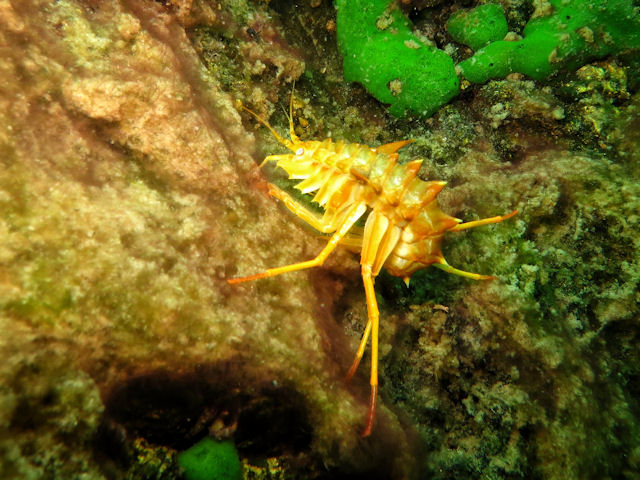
<point>404,224</point>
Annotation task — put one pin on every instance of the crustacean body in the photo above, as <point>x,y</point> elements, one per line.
<point>404,224</point>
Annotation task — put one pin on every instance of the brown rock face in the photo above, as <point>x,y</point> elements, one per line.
<point>129,193</point>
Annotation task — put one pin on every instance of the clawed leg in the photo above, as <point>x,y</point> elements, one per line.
<point>356,212</point>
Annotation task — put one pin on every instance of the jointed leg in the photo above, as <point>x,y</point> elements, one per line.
<point>463,226</point>
<point>375,231</point>
<point>484,221</point>
<point>393,147</point>
<point>373,315</point>
<point>312,218</point>
<point>474,276</point>
<point>360,352</point>
<point>356,212</point>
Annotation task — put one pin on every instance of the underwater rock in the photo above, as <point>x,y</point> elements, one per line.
<point>129,194</point>
<point>49,413</point>
<point>508,377</point>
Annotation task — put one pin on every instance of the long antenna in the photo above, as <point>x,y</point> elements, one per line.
<point>284,141</point>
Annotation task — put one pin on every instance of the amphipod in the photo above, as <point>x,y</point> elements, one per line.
<point>404,224</point>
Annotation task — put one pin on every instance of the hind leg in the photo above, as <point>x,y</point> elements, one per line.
<point>373,315</point>
<point>375,231</point>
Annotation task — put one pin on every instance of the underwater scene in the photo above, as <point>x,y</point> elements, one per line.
<point>320,239</point>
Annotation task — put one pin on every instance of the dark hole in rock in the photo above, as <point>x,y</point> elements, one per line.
<point>270,420</point>
<point>176,411</point>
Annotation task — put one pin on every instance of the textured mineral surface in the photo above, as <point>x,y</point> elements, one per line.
<point>130,192</point>
<point>128,195</point>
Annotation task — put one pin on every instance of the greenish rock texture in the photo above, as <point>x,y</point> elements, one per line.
<point>130,192</point>
<point>399,68</point>
<point>210,460</point>
<point>478,26</point>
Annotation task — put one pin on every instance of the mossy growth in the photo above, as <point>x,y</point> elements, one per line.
<point>396,66</point>
<point>576,32</point>
<point>478,26</point>
<point>403,69</point>
<point>210,460</point>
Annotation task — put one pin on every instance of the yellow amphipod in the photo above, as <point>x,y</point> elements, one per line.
<point>404,224</point>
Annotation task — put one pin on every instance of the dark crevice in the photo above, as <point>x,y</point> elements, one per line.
<point>176,411</point>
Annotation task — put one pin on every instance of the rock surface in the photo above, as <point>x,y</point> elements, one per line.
<point>129,194</point>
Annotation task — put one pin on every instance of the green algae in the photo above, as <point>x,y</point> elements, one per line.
<point>399,68</point>
<point>210,460</point>
<point>573,34</point>
<point>478,26</point>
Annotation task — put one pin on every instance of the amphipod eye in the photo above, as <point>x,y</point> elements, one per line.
<point>299,152</point>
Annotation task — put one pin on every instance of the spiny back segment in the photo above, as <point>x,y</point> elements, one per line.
<point>342,173</point>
